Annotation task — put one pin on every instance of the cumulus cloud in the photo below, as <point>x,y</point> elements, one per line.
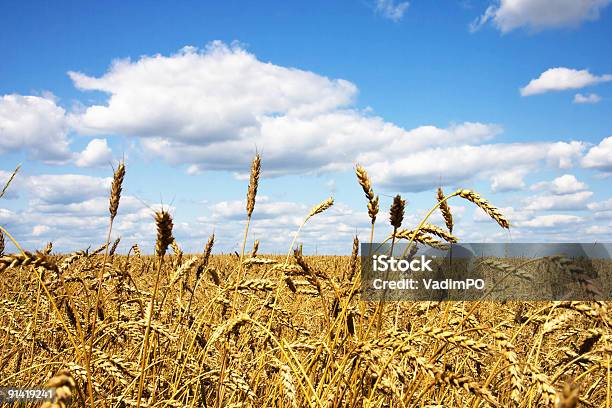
<point>590,98</point>
<point>391,10</point>
<point>33,124</point>
<point>72,211</point>
<point>551,221</point>
<point>223,91</point>
<point>565,192</point>
<point>599,230</point>
<point>97,153</point>
<point>601,205</point>
<point>304,123</point>
<point>565,184</point>
<point>231,103</point>
<point>510,180</point>
<point>7,216</point>
<point>67,188</point>
<point>602,209</point>
<point>561,78</point>
<point>599,157</point>
<point>573,201</point>
<point>39,230</point>
<point>508,15</point>
<point>456,164</point>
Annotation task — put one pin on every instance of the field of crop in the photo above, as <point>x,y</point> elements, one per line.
<point>194,330</point>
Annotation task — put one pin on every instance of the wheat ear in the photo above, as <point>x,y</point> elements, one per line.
<point>116,188</point>
<point>366,185</point>
<point>163,222</point>
<point>445,210</point>
<point>484,204</point>
<point>317,209</point>
<point>2,245</point>
<point>63,384</point>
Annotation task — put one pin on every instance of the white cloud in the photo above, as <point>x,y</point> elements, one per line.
<point>562,154</point>
<point>459,164</point>
<point>7,216</point>
<point>231,103</point>
<point>590,98</point>
<point>561,78</point>
<point>39,230</point>
<point>303,123</point>
<point>599,230</point>
<point>535,15</point>
<point>601,210</point>
<point>565,184</point>
<point>66,188</point>
<point>193,170</point>
<point>391,10</point>
<point>97,153</point>
<point>72,211</point>
<point>551,221</point>
<point>573,201</point>
<point>33,124</point>
<point>600,157</point>
<point>205,96</point>
<point>603,215</point>
<point>601,205</point>
<point>509,180</point>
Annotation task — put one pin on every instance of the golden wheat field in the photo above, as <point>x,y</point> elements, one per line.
<point>254,330</point>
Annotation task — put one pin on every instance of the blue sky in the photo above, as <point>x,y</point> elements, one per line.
<point>510,98</point>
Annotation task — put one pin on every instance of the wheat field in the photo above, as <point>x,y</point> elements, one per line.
<point>255,330</point>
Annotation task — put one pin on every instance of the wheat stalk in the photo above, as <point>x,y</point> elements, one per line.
<point>251,195</point>
<point>163,223</point>
<point>113,207</point>
<point>9,181</point>
<point>317,209</point>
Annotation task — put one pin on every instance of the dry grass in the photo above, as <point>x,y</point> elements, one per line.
<point>194,330</point>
